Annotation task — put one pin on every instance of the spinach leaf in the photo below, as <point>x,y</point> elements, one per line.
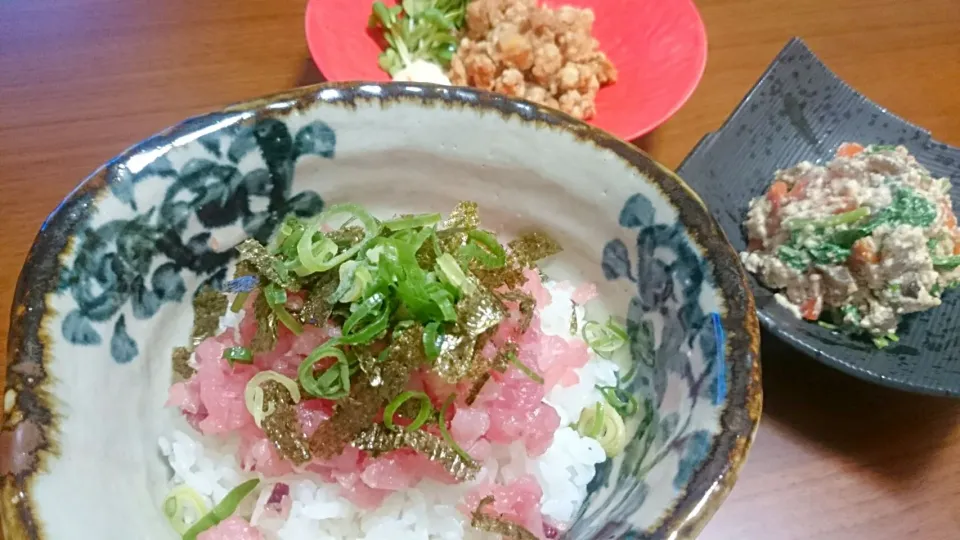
<point>828,253</point>
<point>793,257</point>
<point>908,208</point>
<point>946,263</point>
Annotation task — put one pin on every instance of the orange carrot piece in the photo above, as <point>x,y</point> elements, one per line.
<point>950,219</point>
<point>810,309</point>
<point>777,192</point>
<point>863,252</point>
<point>849,149</point>
<point>799,190</point>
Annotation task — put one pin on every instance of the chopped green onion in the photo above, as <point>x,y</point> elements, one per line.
<point>411,222</point>
<point>885,340</point>
<point>454,275</point>
<point>432,340</point>
<point>238,354</point>
<point>426,409</point>
<point>417,241</point>
<point>288,320</point>
<point>274,294</point>
<point>435,241</point>
<point>524,368</point>
<point>612,434</point>
<point>617,329</point>
<point>315,257</point>
<point>604,339</point>
<point>628,376</point>
<point>276,297</point>
<point>483,247</point>
<point>445,433</point>
<point>374,309</point>
<point>253,394</point>
<point>222,511</point>
<point>444,302</point>
<point>180,500</point>
<point>354,279</point>
<point>323,255</point>
<point>238,302</point>
<point>595,424</point>
<point>623,402</point>
<point>334,382</point>
<point>284,232</point>
<point>417,290</point>
<point>288,237</point>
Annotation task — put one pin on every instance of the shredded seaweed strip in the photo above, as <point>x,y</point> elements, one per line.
<point>266,264</point>
<point>265,338</point>
<point>358,410</point>
<point>510,275</point>
<point>476,314</point>
<point>317,308</point>
<point>378,440</point>
<point>208,306</point>
<point>476,387</point>
<point>498,525</point>
<point>181,362</point>
<point>346,237</point>
<point>526,304</point>
<point>282,426</point>
<point>369,364</point>
<point>574,323</point>
<point>532,247</point>
<point>465,216</point>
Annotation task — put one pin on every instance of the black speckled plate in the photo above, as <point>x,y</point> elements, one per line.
<point>800,110</point>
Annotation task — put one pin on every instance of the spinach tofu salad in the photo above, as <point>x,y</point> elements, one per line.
<point>857,242</point>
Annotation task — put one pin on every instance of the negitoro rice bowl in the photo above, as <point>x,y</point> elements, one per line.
<point>284,321</point>
<point>357,365</point>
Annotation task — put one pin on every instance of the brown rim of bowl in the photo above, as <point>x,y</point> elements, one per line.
<point>30,420</point>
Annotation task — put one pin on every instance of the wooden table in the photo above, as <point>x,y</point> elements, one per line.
<point>835,458</point>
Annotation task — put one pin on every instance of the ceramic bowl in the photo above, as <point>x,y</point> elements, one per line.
<point>799,110</point>
<point>105,292</point>
<point>659,48</point>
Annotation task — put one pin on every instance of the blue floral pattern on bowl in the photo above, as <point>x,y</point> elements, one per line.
<point>116,259</point>
<point>105,293</point>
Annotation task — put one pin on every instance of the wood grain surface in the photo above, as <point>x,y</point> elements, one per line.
<point>80,80</point>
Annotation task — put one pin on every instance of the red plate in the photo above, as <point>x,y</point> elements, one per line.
<point>658,46</point>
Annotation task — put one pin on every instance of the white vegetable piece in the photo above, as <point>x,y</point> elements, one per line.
<point>422,71</point>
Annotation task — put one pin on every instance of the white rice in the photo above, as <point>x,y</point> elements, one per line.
<point>428,511</point>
